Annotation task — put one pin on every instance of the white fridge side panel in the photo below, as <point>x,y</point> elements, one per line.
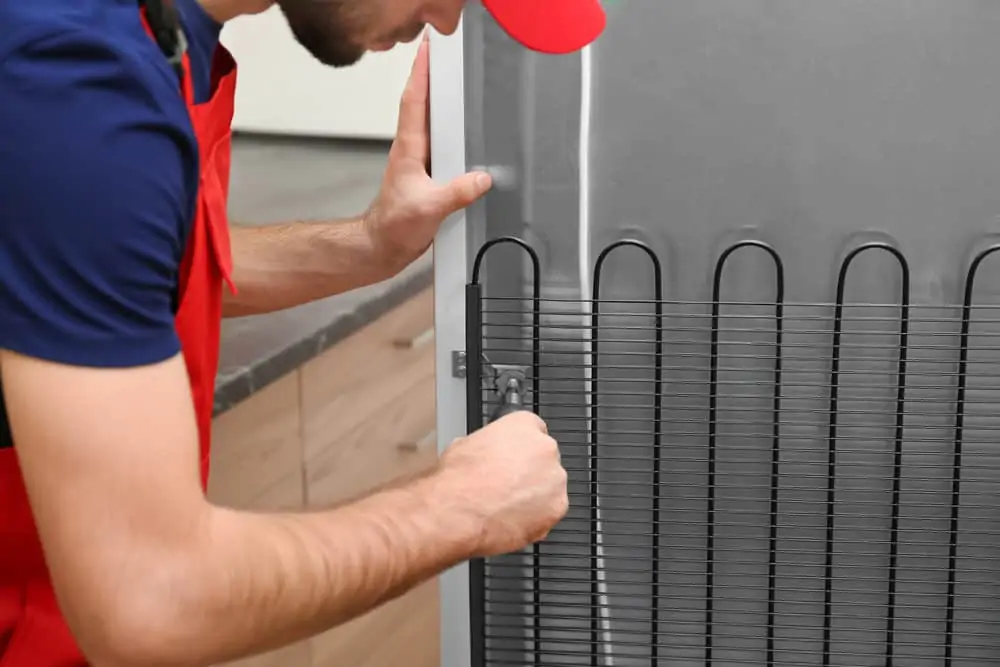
<point>448,160</point>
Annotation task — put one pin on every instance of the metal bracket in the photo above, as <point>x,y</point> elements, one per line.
<point>501,376</point>
<point>459,364</point>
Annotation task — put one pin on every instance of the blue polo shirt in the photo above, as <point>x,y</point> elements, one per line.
<point>98,179</point>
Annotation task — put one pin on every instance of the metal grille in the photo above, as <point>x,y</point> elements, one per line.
<point>751,483</point>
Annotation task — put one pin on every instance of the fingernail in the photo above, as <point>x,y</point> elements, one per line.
<point>482,181</point>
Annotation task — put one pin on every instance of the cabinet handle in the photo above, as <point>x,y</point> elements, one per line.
<point>429,439</point>
<point>419,340</point>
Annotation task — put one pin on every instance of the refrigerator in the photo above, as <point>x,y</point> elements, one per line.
<point>744,255</point>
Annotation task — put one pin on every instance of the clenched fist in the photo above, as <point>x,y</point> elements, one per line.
<point>510,475</point>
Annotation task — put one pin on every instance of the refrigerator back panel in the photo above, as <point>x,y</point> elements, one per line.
<point>779,402</point>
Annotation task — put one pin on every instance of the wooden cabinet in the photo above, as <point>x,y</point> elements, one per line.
<point>355,418</point>
<point>257,451</point>
<point>368,406</point>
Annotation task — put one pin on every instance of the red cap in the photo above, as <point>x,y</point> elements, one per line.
<point>550,26</point>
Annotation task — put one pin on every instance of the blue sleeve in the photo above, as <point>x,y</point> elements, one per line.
<point>96,167</point>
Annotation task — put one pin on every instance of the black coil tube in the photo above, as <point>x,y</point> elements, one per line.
<point>474,418</point>
<point>838,323</point>
<point>654,621</point>
<point>956,466</point>
<point>897,454</point>
<point>713,384</point>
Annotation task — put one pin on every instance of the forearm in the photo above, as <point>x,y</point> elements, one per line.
<point>266,580</point>
<point>284,265</point>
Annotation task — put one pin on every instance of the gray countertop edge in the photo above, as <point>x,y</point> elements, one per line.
<point>235,387</point>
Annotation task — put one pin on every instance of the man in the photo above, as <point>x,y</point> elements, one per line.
<point>114,253</point>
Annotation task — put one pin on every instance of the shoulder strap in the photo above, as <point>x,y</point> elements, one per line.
<point>165,26</point>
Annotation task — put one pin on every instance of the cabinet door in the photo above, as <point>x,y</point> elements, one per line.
<point>368,415</point>
<point>283,90</point>
<point>355,418</point>
<point>257,465</point>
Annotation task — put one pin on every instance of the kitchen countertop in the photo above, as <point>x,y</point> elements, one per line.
<point>278,179</point>
<point>260,349</point>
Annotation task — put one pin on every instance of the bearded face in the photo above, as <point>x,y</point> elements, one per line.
<point>339,32</point>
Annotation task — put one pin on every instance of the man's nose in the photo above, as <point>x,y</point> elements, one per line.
<point>445,21</point>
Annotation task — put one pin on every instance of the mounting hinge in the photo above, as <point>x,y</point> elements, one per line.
<point>459,366</point>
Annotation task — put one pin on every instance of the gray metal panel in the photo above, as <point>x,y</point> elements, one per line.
<point>801,123</point>
<point>812,126</point>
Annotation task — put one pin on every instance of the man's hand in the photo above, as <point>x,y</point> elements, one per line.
<point>409,208</point>
<point>509,474</point>
<point>285,265</point>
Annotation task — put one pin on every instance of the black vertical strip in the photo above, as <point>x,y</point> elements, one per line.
<point>772,549</point>
<point>831,472</point>
<point>595,597</point>
<point>779,301</point>
<point>897,460</point>
<point>473,422</point>
<point>956,466</point>
<point>474,356</point>
<point>536,394</point>
<point>772,539</point>
<point>654,612</point>
<point>713,397</point>
<point>592,473</point>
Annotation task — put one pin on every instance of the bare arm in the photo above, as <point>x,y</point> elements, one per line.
<point>148,573</point>
<point>284,265</point>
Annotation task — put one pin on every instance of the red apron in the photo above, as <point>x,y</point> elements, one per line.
<point>32,630</point>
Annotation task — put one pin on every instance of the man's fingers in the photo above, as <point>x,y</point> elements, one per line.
<point>527,416</point>
<point>463,191</point>
<point>412,130</point>
<point>539,423</point>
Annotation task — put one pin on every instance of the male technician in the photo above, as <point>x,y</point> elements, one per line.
<point>116,267</point>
